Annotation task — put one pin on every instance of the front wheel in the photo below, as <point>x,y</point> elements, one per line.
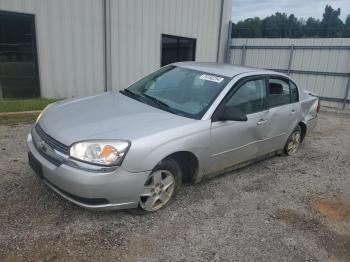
<point>293,142</point>
<point>161,186</point>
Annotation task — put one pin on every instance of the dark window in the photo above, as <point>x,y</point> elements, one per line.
<point>294,94</point>
<point>176,49</point>
<point>278,92</point>
<point>250,97</point>
<point>18,58</point>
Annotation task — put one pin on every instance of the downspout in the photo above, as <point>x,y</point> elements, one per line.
<point>107,38</point>
<point>220,27</point>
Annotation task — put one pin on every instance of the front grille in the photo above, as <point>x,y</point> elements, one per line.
<point>53,143</point>
<point>51,159</point>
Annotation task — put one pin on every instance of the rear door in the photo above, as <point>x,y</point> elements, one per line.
<point>232,142</point>
<point>281,116</point>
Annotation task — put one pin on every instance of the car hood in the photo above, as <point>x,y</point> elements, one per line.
<point>107,116</point>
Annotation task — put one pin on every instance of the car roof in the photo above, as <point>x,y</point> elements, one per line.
<point>227,70</point>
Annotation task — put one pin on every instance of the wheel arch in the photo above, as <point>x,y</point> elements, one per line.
<point>188,162</point>
<point>303,128</point>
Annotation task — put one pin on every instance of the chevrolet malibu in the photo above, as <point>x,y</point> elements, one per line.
<point>187,121</point>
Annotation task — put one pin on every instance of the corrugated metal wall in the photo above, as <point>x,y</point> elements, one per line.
<point>137,27</point>
<point>70,38</point>
<point>69,42</point>
<point>277,55</point>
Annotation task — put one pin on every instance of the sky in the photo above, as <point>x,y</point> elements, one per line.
<point>243,9</point>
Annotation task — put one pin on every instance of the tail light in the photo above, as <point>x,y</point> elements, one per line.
<point>318,105</point>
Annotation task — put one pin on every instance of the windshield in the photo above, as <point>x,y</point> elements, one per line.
<point>178,90</point>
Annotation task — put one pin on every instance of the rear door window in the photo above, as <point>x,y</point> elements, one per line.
<point>279,92</point>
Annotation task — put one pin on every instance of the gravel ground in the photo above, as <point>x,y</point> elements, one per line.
<point>281,209</point>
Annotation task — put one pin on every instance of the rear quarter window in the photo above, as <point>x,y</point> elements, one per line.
<point>294,93</point>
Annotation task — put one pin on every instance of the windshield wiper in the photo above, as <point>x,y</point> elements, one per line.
<point>127,92</point>
<point>131,94</point>
<point>160,103</point>
<point>157,101</point>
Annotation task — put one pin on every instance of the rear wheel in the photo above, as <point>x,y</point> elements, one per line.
<point>293,142</point>
<point>161,186</point>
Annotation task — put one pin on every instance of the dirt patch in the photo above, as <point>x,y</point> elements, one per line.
<point>332,207</point>
<point>337,245</point>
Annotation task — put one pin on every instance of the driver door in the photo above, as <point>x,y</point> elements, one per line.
<point>232,142</point>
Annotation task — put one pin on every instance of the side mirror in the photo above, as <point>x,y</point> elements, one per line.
<point>232,114</point>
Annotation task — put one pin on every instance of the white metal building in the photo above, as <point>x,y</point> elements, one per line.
<point>80,47</point>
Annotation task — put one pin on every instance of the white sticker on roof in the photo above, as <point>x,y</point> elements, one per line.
<point>211,78</point>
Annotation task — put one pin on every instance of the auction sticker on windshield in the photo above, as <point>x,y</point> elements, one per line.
<point>211,78</point>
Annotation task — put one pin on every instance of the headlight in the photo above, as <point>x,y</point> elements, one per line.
<point>100,152</point>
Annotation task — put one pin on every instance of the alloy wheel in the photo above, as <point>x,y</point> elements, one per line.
<point>157,190</point>
<point>294,143</point>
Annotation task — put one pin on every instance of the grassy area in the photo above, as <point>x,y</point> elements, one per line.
<point>19,118</point>
<point>21,105</point>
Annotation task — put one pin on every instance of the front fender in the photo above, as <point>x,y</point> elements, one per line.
<point>146,153</point>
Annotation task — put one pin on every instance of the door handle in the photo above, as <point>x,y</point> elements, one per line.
<point>261,121</point>
<point>292,112</point>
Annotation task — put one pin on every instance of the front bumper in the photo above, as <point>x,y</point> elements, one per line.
<point>118,189</point>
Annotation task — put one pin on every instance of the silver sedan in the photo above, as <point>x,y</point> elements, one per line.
<point>187,121</point>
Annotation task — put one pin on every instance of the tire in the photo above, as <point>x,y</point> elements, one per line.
<point>161,186</point>
<point>293,142</point>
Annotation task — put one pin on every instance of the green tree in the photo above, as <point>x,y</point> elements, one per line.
<point>275,26</point>
<point>346,30</point>
<point>279,25</point>
<point>295,27</point>
<point>248,28</point>
<point>331,24</point>
<point>311,27</point>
